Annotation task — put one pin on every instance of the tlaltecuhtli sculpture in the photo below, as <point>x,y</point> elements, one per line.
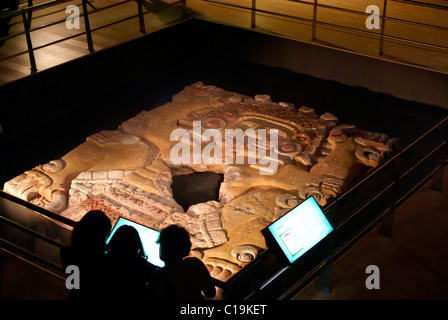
<point>128,172</point>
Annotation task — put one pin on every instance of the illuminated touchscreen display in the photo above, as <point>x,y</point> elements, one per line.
<point>300,229</point>
<point>148,236</point>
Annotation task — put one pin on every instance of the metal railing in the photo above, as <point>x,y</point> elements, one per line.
<point>25,228</point>
<point>380,34</point>
<point>27,13</point>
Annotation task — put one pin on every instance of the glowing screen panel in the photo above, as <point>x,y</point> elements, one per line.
<point>300,229</point>
<point>148,236</point>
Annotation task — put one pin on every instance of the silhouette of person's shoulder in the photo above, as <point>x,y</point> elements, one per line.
<point>184,279</point>
<point>143,266</point>
<point>188,265</point>
<point>192,263</point>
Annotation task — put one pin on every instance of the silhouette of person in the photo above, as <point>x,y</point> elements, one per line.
<point>182,277</point>
<point>128,268</point>
<point>88,252</point>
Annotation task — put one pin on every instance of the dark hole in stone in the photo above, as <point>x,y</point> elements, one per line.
<point>196,188</point>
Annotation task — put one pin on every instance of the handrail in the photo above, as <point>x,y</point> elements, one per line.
<point>26,20</point>
<point>367,14</point>
<point>253,9</point>
<point>38,209</point>
<point>336,9</point>
<point>31,232</point>
<point>423,4</point>
<point>388,162</point>
<point>34,234</point>
<point>32,8</point>
<point>383,16</point>
<point>31,256</point>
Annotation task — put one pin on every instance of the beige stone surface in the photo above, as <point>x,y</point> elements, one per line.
<point>128,172</point>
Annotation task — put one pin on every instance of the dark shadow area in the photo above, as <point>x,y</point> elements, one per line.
<point>196,188</point>
<point>6,6</point>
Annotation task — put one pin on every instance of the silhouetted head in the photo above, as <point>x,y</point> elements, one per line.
<point>92,231</point>
<point>126,242</point>
<point>174,243</point>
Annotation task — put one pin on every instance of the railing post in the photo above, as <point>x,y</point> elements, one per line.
<point>324,279</point>
<point>29,43</point>
<point>387,223</point>
<point>383,24</point>
<point>253,14</point>
<point>184,9</point>
<point>437,179</point>
<point>313,32</point>
<point>87,26</point>
<point>141,18</point>
<point>30,12</point>
<point>91,5</point>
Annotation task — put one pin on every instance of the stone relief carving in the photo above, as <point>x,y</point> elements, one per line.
<point>128,172</point>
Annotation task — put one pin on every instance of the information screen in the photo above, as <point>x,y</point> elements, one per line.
<point>300,229</point>
<point>148,236</point>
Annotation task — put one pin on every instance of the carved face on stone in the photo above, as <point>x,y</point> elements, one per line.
<point>128,172</point>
